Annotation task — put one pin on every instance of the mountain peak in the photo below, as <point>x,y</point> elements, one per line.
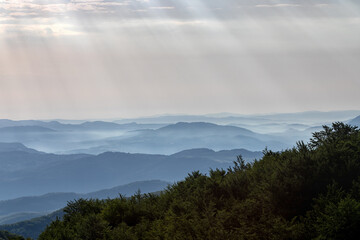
<point>15,147</point>
<point>355,121</point>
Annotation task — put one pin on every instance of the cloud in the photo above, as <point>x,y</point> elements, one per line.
<point>127,8</point>
<point>89,16</point>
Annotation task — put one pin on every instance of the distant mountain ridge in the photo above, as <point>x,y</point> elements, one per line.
<point>15,157</point>
<point>29,172</point>
<point>169,134</point>
<point>355,121</point>
<point>25,129</point>
<point>189,127</point>
<point>15,147</point>
<point>183,135</point>
<point>57,137</point>
<point>227,118</point>
<point>11,125</point>
<point>222,156</point>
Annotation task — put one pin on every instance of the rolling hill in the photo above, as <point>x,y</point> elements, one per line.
<point>25,129</point>
<point>355,121</point>
<point>26,173</point>
<point>15,147</point>
<point>181,136</point>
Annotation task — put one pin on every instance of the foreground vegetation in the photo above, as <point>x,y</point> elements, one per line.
<point>4,235</point>
<point>32,228</point>
<point>309,192</point>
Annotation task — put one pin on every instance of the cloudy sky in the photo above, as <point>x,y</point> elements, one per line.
<point>128,58</point>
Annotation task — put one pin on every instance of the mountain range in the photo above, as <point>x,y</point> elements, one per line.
<point>27,172</point>
<point>308,117</point>
<point>169,134</point>
<point>177,137</point>
<point>148,138</point>
<point>355,121</point>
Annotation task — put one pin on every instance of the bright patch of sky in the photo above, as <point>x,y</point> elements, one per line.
<point>124,58</point>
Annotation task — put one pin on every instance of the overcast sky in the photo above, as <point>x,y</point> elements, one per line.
<point>128,58</point>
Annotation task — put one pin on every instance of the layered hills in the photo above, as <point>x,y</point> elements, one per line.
<point>26,172</point>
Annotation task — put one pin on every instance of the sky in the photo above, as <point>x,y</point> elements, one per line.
<point>78,59</point>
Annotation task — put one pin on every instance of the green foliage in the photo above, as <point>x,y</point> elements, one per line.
<point>309,192</point>
<point>4,235</point>
<point>32,228</point>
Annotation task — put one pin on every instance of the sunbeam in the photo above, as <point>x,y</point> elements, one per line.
<point>85,58</point>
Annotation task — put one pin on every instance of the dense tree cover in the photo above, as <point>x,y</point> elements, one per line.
<point>4,235</point>
<point>309,192</point>
<point>33,227</point>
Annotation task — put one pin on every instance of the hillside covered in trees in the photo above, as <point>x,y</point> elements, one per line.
<point>311,191</point>
<point>4,235</point>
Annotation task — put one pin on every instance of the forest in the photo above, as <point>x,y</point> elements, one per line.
<point>311,191</point>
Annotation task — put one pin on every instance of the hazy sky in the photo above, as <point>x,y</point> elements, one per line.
<point>126,58</point>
